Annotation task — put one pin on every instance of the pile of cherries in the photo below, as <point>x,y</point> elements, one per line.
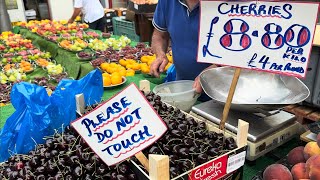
<point>63,157</point>
<point>188,143</point>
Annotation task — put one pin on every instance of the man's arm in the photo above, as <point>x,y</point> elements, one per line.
<point>159,45</point>
<point>76,13</point>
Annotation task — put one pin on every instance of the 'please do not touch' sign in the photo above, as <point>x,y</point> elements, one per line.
<point>121,127</point>
<point>260,35</point>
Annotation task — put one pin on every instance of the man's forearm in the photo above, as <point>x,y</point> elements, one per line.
<point>160,42</point>
<point>76,12</point>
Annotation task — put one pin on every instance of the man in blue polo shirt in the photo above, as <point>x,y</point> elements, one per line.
<point>177,20</point>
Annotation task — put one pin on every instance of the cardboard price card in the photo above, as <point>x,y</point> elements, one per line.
<point>261,35</point>
<point>219,167</point>
<point>121,127</point>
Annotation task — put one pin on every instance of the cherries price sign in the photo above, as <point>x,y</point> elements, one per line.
<point>121,127</point>
<point>261,35</point>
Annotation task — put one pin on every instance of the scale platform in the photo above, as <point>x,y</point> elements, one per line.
<point>265,132</point>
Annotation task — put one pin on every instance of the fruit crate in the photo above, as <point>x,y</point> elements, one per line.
<point>227,165</point>
<point>124,27</point>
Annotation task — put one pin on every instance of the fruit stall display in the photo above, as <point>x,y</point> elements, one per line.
<point>302,162</point>
<point>18,59</point>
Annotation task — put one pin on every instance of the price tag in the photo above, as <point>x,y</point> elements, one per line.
<point>136,6</point>
<point>236,161</point>
<point>259,35</point>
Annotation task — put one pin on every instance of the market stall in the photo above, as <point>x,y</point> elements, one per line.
<point>81,104</point>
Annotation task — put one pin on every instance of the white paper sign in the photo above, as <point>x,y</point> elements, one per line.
<point>260,35</point>
<point>121,127</point>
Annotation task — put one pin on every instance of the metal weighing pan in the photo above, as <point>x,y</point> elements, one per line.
<point>256,91</point>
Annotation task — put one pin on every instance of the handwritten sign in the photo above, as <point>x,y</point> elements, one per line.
<point>121,127</point>
<point>260,35</point>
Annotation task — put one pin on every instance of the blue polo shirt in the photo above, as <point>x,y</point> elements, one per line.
<point>174,17</point>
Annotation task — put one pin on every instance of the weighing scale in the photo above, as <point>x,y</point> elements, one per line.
<point>258,99</point>
<point>265,132</point>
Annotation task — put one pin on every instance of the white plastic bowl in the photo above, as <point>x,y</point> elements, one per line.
<point>178,93</point>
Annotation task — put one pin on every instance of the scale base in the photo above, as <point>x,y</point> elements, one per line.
<point>268,143</point>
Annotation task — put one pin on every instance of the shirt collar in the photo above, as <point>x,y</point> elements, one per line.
<point>184,3</point>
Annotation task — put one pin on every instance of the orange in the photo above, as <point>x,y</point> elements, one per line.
<point>104,66</point>
<point>116,79</point>
<point>123,62</point>
<point>130,72</point>
<point>115,74</point>
<point>145,70</point>
<point>129,66</point>
<point>106,81</point>
<point>123,72</point>
<point>135,66</point>
<point>131,61</point>
<point>106,75</point>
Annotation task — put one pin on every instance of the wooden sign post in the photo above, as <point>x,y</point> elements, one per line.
<point>258,35</point>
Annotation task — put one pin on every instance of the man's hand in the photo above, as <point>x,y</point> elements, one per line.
<point>70,21</point>
<point>197,85</point>
<point>158,66</point>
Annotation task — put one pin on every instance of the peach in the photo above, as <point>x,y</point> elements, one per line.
<point>299,171</point>
<point>277,171</point>
<point>311,149</point>
<point>318,139</point>
<point>313,163</point>
<point>314,174</point>
<point>296,155</point>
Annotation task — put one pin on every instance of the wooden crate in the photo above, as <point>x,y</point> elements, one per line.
<point>304,114</point>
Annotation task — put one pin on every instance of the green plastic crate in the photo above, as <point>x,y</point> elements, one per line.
<point>124,27</point>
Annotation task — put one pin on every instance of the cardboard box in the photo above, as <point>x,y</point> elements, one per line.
<point>142,8</point>
<point>121,11</point>
<point>130,16</point>
<point>110,13</point>
<point>109,22</point>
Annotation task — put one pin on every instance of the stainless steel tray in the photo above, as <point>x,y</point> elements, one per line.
<point>256,91</point>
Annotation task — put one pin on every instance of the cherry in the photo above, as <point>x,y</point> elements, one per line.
<point>188,142</point>
<point>41,177</point>
<point>213,151</point>
<point>176,149</point>
<point>176,133</point>
<point>194,150</point>
<point>154,150</point>
<point>77,172</point>
<point>132,176</point>
<point>184,152</point>
<point>182,127</point>
<point>123,169</point>
<point>202,158</point>
<point>121,177</point>
<point>174,172</point>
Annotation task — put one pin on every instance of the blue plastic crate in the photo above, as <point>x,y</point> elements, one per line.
<point>124,27</point>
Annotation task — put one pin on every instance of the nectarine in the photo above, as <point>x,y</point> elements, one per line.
<point>299,171</point>
<point>296,155</point>
<point>318,139</point>
<point>311,149</point>
<point>277,171</point>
